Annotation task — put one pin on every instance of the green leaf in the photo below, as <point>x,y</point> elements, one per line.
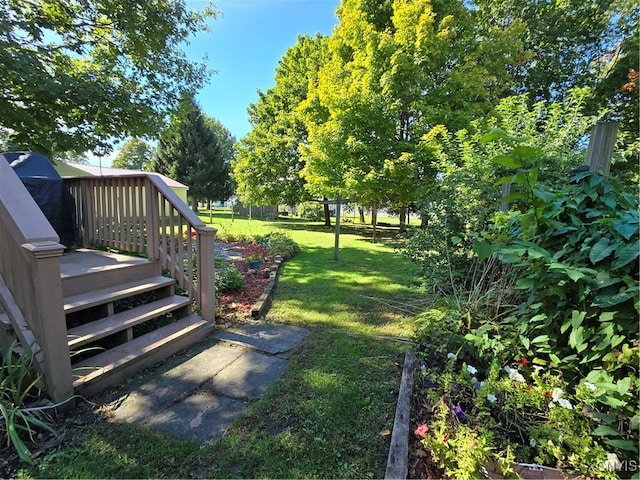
<point>546,196</point>
<point>512,196</point>
<point>524,283</point>
<point>623,385</point>
<point>606,301</point>
<point>523,151</point>
<point>508,161</point>
<point>603,279</point>
<point>493,135</point>
<point>482,249</point>
<point>525,341</point>
<point>626,229</point>
<point>626,254</point>
<point>575,337</point>
<point>628,445</point>
<point>541,339</point>
<point>605,431</point>
<point>601,250</point>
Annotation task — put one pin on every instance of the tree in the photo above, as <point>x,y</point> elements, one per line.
<point>78,73</point>
<point>395,70</point>
<point>190,152</point>
<point>134,155</point>
<point>268,162</point>
<point>572,43</point>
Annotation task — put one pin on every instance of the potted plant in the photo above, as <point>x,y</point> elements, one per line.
<point>254,255</point>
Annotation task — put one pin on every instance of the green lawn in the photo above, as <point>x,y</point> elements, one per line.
<point>331,413</point>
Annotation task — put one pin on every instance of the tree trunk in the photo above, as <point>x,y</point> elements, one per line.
<point>327,213</point>
<point>194,204</point>
<point>374,222</point>
<point>403,219</point>
<point>361,212</point>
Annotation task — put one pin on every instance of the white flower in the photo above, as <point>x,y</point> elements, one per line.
<point>451,355</point>
<point>514,374</point>
<point>590,386</point>
<point>492,398</point>
<point>612,463</point>
<point>563,402</point>
<point>557,394</point>
<point>472,370</point>
<point>532,442</point>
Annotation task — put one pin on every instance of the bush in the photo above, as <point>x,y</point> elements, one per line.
<point>312,211</point>
<point>551,378</point>
<point>228,277</point>
<point>279,244</point>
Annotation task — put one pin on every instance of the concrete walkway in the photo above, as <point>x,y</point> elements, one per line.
<point>198,398</point>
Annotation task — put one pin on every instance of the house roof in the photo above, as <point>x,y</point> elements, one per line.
<point>78,170</point>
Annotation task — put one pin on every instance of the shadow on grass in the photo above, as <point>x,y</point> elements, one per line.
<point>364,288</point>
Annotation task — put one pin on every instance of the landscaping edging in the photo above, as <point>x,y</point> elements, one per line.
<point>260,307</point>
<point>398,459</point>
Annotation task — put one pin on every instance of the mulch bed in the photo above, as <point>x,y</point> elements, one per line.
<point>234,304</point>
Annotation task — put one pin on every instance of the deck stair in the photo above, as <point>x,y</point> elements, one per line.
<point>122,315</point>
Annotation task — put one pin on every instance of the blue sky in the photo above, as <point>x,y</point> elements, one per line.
<point>244,47</point>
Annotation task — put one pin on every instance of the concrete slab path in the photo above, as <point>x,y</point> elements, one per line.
<point>199,398</point>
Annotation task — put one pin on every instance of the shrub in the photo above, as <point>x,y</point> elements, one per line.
<point>279,244</point>
<point>577,253</point>
<point>312,211</point>
<point>228,277</point>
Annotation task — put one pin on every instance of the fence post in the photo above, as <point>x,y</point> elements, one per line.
<point>206,273</point>
<point>601,145</point>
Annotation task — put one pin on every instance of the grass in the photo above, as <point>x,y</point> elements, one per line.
<point>332,412</point>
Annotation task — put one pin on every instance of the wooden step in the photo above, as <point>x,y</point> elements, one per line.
<point>103,327</point>
<point>101,296</point>
<point>106,276</point>
<point>117,364</point>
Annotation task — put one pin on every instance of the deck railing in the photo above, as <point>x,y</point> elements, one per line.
<point>140,214</point>
<point>30,283</point>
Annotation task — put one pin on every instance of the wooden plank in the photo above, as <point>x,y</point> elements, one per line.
<point>110,294</point>
<point>92,331</point>
<point>397,461</point>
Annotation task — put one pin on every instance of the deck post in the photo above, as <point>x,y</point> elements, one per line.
<point>206,273</point>
<point>152,219</point>
<point>49,322</point>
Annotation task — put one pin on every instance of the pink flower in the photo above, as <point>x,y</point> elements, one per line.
<point>445,438</point>
<point>422,430</point>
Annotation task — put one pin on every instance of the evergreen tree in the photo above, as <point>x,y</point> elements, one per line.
<point>190,152</point>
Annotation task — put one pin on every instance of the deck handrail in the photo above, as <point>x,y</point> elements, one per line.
<point>31,287</point>
<point>140,214</point>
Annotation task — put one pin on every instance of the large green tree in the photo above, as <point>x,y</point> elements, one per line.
<point>395,70</point>
<point>78,73</point>
<point>191,152</point>
<point>268,161</point>
<point>134,155</point>
<point>569,43</point>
